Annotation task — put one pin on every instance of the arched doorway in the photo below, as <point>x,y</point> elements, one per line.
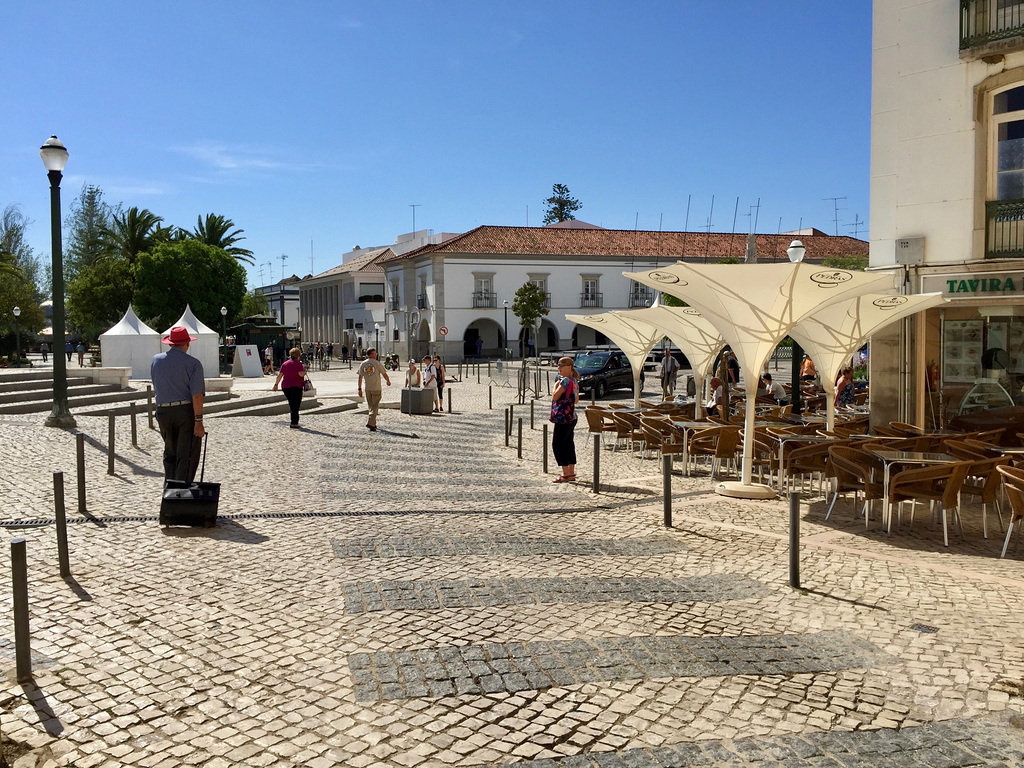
<point>422,344</point>
<point>490,337</point>
<point>585,336</point>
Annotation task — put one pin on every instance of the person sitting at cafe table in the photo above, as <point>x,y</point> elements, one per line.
<point>773,389</point>
<point>717,393</point>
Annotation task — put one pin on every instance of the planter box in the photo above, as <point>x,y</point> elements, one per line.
<point>417,401</point>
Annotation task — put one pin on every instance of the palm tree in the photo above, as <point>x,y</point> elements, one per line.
<point>214,230</point>
<point>132,232</point>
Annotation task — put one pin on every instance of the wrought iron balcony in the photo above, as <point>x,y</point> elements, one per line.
<point>590,300</point>
<point>547,300</point>
<point>990,27</point>
<point>484,300</point>
<point>1004,229</point>
<point>395,305</point>
<point>421,301</point>
<point>640,299</point>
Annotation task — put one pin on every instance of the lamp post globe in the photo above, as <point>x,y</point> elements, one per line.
<point>17,335</point>
<point>55,156</point>
<point>796,251</point>
<point>376,327</point>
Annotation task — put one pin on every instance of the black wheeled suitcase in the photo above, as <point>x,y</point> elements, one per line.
<point>190,503</point>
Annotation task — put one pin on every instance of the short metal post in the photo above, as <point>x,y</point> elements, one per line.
<point>508,429</point>
<point>490,397</point>
<point>460,371</point>
<point>519,441</point>
<point>511,417</point>
<point>547,374</point>
<point>110,444</point>
<point>135,424</point>
<point>531,414</point>
<point>597,463</point>
<point>488,370</point>
<point>80,451</point>
<point>62,524</point>
<point>545,449</point>
<point>478,374</point>
<point>794,540</point>
<point>593,396</point>
<point>19,580</point>
<point>149,405</point>
<point>666,487</point>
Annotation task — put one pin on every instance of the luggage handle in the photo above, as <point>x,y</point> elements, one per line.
<point>202,474</point>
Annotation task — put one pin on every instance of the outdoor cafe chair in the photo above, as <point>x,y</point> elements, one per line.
<point>985,483</point>
<point>939,484</point>
<point>857,471</point>
<point>992,436</point>
<point>1013,484</point>
<point>661,437</point>
<point>886,431</point>
<point>765,457</point>
<point>599,422</point>
<point>807,461</point>
<point>910,430</point>
<point>718,443</point>
<point>628,428</point>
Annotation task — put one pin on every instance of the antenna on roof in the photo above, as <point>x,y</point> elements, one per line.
<point>632,261</point>
<point>836,208</point>
<point>270,270</point>
<point>707,241</point>
<point>686,227</point>
<point>757,211</point>
<point>857,223</point>
<point>261,275</point>
<point>657,252</point>
<point>284,256</point>
<point>414,207</point>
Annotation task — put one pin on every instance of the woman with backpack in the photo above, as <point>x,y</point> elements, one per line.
<point>563,416</point>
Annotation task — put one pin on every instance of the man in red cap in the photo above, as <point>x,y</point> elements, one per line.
<point>179,389</point>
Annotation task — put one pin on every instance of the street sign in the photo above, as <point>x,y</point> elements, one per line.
<point>443,330</point>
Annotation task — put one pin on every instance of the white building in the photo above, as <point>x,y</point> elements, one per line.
<point>947,203</point>
<point>283,300</point>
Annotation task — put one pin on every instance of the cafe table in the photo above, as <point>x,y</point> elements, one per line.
<point>687,427</point>
<point>783,440</point>
<point>890,458</point>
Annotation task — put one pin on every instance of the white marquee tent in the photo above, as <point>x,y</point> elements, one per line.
<point>206,347</point>
<point>130,344</point>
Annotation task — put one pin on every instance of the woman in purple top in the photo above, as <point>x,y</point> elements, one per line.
<point>291,374</point>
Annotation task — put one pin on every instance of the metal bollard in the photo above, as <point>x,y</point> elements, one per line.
<point>794,540</point>
<point>135,425</point>
<point>511,416</point>
<point>593,396</point>
<point>508,429</point>
<point>666,488</point>
<point>490,397</point>
<point>519,441</point>
<point>597,463</point>
<point>545,449</point>
<point>449,400</point>
<point>80,451</point>
<point>460,371</point>
<point>110,444</point>
<point>19,581</point>
<point>531,414</point>
<point>478,374</point>
<point>62,524</point>
<point>548,375</point>
<point>149,404</point>
<point>488,369</point>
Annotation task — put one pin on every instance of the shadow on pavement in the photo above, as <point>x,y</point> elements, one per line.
<point>44,711</point>
<point>225,530</point>
<point>77,588</point>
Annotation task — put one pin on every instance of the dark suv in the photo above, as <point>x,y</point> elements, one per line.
<point>602,371</point>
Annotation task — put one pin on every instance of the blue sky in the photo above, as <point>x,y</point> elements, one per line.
<point>326,121</point>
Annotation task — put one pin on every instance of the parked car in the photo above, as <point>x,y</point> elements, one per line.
<point>603,371</point>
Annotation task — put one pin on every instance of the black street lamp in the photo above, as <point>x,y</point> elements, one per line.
<point>796,253</point>
<point>55,157</point>
<point>506,330</point>
<point>17,334</point>
<point>376,327</point>
<point>224,334</point>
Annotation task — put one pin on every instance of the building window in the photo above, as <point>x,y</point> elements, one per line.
<point>1004,209</point>
<point>640,295</point>
<point>591,295</point>
<point>483,292</point>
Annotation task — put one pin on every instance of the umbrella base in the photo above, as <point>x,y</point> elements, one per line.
<point>739,490</point>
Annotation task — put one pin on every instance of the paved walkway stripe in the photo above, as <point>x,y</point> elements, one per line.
<point>511,667</point>
<point>370,596</point>
<point>501,546</point>
<point>952,744</point>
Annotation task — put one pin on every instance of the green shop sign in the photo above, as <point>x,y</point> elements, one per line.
<point>975,285</point>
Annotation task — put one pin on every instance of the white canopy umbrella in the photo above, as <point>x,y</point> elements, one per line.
<point>833,333</point>
<point>206,347</point>
<point>754,306</point>
<point>130,344</point>
<point>635,337</point>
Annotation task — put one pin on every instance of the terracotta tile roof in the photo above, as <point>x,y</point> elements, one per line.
<point>370,261</point>
<point>549,241</point>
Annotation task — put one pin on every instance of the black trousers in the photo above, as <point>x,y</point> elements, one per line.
<point>563,445</point>
<point>182,448</point>
<point>294,395</point>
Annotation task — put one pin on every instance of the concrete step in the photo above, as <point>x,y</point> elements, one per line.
<point>38,406</point>
<point>140,407</point>
<point>31,385</point>
<point>46,393</point>
<point>333,406</point>
<point>8,375</point>
<point>273,408</point>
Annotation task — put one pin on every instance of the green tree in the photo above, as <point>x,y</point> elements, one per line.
<point>174,274</point>
<point>215,230</point>
<point>254,303</point>
<point>528,305</point>
<point>88,217</point>
<point>853,263</point>
<point>17,259</point>
<point>561,205</point>
<point>132,232</point>
<point>668,300</point>
<point>99,295</point>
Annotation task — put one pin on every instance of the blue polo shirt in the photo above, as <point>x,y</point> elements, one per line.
<point>176,376</point>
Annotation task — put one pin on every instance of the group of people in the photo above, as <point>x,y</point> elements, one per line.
<point>430,375</point>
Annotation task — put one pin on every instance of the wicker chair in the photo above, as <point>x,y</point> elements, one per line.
<point>856,471</point>
<point>1013,484</point>
<point>937,484</point>
<point>719,443</point>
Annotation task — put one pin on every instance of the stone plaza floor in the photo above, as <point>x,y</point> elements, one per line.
<point>419,596</point>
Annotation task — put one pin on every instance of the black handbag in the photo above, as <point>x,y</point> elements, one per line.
<point>190,503</point>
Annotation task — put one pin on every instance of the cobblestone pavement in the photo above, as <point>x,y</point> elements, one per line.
<point>419,596</point>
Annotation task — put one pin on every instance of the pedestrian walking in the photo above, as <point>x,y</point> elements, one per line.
<point>563,416</point>
<point>292,377</point>
<point>45,349</point>
<point>430,381</point>
<point>372,370</point>
<point>80,349</point>
<point>268,360</point>
<point>344,353</point>
<point>179,389</point>
<point>69,349</point>
<point>669,372</point>
<point>439,368</point>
